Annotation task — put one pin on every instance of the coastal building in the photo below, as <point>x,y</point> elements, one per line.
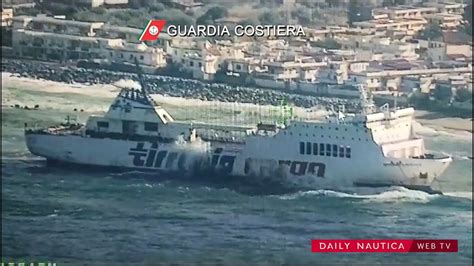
<point>413,83</point>
<point>403,12</point>
<point>454,44</point>
<point>447,7</point>
<point>445,20</point>
<point>388,75</point>
<point>92,3</point>
<point>335,72</point>
<point>54,39</point>
<point>285,74</point>
<point>131,35</point>
<point>56,26</point>
<point>409,26</point>
<point>7,16</point>
<point>123,52</point>
<point>57,47</point>
<point>14,4</point>
<point>184,5</point>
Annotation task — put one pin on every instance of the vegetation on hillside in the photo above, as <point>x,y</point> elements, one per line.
<point>431,32</point>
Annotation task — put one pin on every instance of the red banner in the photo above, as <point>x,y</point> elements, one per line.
<point>379,245</point>
<point>152,30</point>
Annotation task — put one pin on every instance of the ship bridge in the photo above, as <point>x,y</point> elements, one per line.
<point>134,113</point>
<point>136,105</point>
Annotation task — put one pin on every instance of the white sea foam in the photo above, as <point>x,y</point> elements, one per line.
<point>128,83</point>
<point>395,194</point>
<point>459,194</point>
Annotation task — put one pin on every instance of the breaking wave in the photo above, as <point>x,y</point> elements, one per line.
<point>464,195</point>
<point>396,194</point>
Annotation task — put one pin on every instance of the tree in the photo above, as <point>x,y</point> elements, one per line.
<point>463,95</point>
<point>328,43</point>
<point>443,93</point>
<point>137,4</point>
<point>158,7</point>
<point>250,21</point>
<point>212,14</point>
<point>271,18</point>
<point>432,32</point>
<point>177,17</point>
<point>304,15</point>
<point>356,11</point>
<point>468,17</point>
<point>393,2</point>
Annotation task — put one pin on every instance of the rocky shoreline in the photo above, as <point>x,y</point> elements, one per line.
<point>171,86</point>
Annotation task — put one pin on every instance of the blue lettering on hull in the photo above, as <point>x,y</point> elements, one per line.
<point>163,159</point>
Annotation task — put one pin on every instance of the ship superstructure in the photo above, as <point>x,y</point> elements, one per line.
<point>377,147</point>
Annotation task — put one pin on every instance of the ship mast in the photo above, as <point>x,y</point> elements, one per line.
<point>144,89</point>
<point>366,100</point>
<point>140,77</point>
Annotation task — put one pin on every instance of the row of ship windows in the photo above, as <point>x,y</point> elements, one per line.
<point>328,128</point>
<point>322,136</point>
<point>324,149</point>
<point>148,126</point>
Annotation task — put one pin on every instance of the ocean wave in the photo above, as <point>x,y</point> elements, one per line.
<point>22,158</point>
<point>459,194</point>
<point>395,194</point>
<point>141,185</point>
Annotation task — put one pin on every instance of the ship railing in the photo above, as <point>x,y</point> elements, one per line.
<point>431,156</point>
<point>71,129</point>
<point>235,137</point>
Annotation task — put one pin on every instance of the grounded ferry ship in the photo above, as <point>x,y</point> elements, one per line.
<point>373,148</point>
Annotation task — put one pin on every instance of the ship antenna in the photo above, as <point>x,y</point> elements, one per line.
<point>140,77</point>
<point>395,101</point>
<point>366,100</point>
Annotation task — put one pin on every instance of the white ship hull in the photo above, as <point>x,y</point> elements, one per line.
<point>260,158</point>
<point>371,148</point>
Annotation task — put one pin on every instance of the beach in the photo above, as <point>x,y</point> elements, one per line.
<point>440,122</point>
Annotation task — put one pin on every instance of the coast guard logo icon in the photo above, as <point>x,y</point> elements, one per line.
<point>152,30</point>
